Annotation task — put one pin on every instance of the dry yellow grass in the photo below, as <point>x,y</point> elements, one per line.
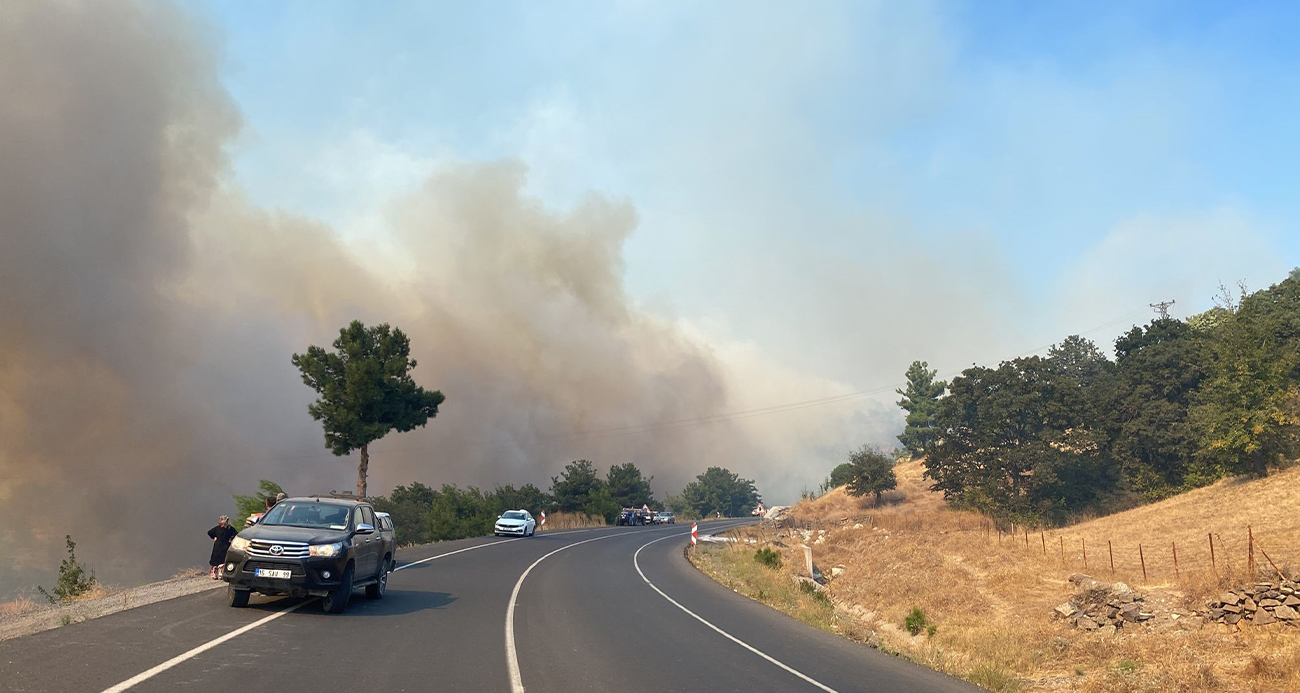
<point>992,599</point>
<point>563,520</point>
<point>18,607</point>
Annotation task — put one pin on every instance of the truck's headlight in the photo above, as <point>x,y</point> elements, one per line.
<point>325,550</point>
<point>239,544</point>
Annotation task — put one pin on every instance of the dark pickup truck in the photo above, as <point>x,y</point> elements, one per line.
<point>318,546</point>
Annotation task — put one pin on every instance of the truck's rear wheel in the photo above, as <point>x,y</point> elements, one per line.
<point>376,591</point>
<point>336,601</point>
<point>238,598</point>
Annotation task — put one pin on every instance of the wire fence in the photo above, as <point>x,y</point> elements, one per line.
<point>1244,554</point>
<point>1239,554</point>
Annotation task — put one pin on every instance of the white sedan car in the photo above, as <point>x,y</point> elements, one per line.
<point>517,523</point>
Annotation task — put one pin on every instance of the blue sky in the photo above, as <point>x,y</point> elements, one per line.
<point>846,185</point>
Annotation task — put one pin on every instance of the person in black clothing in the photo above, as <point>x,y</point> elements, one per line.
<point>221,536</point>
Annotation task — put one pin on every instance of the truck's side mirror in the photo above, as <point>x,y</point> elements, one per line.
<point>364,528</point>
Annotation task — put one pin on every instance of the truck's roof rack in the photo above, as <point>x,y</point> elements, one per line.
<point>340,495</point>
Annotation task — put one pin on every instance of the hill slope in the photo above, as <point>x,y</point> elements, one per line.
<point>991,595</point>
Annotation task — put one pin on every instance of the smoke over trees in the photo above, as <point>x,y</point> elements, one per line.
<point>146,308</point>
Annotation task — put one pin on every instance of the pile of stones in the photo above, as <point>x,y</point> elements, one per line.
<point>1261,604</point>
<point>1102,607</point>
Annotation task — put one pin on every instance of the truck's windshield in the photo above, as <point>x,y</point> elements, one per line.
<point>314,515</point>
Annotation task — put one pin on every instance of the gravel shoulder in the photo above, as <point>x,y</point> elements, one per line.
<point>44,618</point>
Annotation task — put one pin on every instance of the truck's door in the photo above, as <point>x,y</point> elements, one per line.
<point>364,544</point>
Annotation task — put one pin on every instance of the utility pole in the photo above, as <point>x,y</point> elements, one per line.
<point>1162,308</point>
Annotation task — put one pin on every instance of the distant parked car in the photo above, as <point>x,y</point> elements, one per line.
<point>625,517</point>
<point>519,523</point>
<point>663,517</point>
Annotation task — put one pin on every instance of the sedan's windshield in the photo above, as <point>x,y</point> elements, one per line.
<point>313,515</point>
<point>514,515</point>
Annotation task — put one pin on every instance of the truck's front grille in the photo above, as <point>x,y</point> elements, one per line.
<point>293,568</point>
<point>277,549</point>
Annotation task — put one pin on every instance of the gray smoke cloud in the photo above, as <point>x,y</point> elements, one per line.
<point>148,312</point>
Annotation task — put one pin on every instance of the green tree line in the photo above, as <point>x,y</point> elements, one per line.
<point>1181,404</point>
<point>424,514</point>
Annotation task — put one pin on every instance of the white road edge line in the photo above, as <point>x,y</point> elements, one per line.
<point>146,675</point>
<point>512,655</point>
<point>404,566</point>
<point>636,564</point>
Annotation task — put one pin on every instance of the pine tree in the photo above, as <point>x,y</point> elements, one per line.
<point>921,400</point>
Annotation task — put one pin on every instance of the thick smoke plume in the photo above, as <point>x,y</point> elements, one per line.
<point>148,312</point>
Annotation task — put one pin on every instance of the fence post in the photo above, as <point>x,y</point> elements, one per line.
<point>1213,565</point>
<point>1250,559</point>
<point>1026,537</point>
<point>1144,563</point>
<point>1178,575</point>
<point>1270,562</point>
<point>1085,552</point>
<point>1110,550</point>
<point>1062,538</point>
<point>1044,533</point>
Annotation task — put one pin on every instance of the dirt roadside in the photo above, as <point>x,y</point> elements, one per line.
<point>38,618</point>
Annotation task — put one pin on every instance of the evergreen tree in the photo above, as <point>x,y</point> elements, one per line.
<point>921,400</point>
<point>366,390</point>
<point>628,487</point>
<point>576,486</point>
<point>256,503</point>
<point>719,490</point>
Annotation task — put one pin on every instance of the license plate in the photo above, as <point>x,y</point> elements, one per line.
<point>268,573</point>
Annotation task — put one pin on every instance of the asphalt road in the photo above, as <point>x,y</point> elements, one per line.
<point>608,609</point>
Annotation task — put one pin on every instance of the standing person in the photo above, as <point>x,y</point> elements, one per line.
<point>257,517</point>
<point>221,536</point>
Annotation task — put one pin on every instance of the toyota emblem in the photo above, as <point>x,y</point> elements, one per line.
<point>276,549</point>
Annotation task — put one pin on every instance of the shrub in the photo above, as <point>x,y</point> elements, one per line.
<point>915,621</point>
<point>768,557</point>
<point>817,595</point>
<point>74,579</point>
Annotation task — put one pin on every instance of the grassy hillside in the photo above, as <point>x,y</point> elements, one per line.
<point>991,596</point>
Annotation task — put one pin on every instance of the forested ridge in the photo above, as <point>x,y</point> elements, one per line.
<point>1179,405</point>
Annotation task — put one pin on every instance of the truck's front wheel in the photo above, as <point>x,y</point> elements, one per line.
<point>238,598</point>
<point>337,600</point>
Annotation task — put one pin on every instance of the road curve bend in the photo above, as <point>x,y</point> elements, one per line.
<point>587,610</point>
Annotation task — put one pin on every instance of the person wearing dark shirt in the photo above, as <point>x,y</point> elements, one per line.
<point>221,536</point>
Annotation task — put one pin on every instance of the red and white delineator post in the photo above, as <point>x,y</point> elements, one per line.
<point>695,533</point>
<point>543,519</point>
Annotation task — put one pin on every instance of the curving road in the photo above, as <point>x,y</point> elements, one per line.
<point>608,609</point>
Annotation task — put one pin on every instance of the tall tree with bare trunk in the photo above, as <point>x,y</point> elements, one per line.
<point>366,390</point>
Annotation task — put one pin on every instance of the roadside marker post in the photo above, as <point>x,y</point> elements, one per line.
<point>543,518</point>
<point>695,533</point>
